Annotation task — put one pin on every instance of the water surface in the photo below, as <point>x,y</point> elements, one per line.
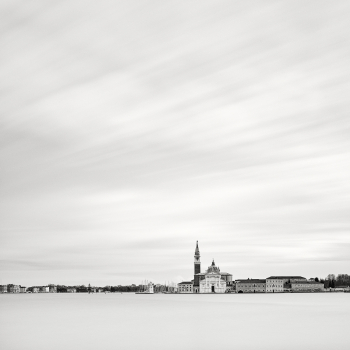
<point>129,321</point>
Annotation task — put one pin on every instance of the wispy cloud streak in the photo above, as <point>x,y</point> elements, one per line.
<point>130,130</point>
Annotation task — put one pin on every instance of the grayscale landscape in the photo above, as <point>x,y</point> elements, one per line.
<point>174,174</point>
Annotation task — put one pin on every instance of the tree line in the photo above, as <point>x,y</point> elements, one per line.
<point>109,289</point>
<point>332,281</point>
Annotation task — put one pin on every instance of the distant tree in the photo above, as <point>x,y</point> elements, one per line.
<point>330,277</point>
<point>61,289</point>
<point>81,289</point>
<point>342,280</point>
<point>316,279</point>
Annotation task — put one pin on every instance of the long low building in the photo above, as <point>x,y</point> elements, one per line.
<point>288,279</point>
<point>273,283</point>
<point>251,286</point>
<point>306,286</point>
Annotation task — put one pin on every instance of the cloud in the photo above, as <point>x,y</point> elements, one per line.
<point>129,131</point>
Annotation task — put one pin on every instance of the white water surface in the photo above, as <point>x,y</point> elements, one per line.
<point>129,321</point>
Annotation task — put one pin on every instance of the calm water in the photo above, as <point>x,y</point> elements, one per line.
<point>129,321</point>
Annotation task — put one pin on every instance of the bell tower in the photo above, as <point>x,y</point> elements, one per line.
<point>197,269</point>
<point>197,260</point>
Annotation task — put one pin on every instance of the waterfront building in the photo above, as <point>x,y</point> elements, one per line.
<point>306,286</point>
<point>251,286</point>
<point>36,289</point>
<point>287,280</point>
<point>13,288</point>
<point>212,281</point>
<point>71,290</point>
<point>274,285</point>
<point>22,289</point>
<point>3,288</point>
<point>44,289</point>
<point>185,287</point>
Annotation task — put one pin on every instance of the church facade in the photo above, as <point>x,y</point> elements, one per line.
<point>212,282</point>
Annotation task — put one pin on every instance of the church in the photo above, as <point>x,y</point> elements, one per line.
<point>210,281</point>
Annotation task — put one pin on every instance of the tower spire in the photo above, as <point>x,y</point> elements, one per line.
<point>197,250</point>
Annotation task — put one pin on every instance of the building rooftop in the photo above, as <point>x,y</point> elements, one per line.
<point>306,282</point>
<point>251,281</point>
<point>285,277</point>
<point>185,283</point>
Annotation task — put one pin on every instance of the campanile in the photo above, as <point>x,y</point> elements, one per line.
<point>197,269</point>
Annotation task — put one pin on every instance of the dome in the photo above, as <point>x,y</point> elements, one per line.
<point>212,268</point>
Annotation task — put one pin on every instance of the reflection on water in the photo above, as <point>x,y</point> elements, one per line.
<point>129,321</point>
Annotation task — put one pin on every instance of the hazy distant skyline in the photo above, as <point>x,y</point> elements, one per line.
<point>129,130</point>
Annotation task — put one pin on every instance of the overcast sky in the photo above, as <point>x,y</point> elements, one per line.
<point>129,130</point>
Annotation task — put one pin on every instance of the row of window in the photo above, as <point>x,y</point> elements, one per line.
<point>250,285</point>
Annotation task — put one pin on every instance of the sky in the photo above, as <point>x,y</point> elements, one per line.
<point>130,130</point>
